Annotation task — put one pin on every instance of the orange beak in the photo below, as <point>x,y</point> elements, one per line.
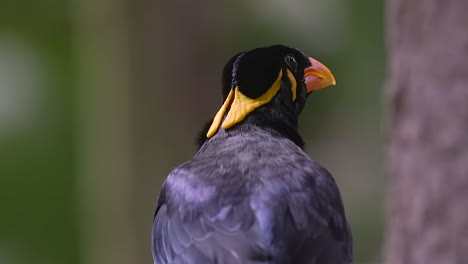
<point>317,76</point>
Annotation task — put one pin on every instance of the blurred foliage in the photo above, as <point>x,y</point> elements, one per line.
<point>40,221</point>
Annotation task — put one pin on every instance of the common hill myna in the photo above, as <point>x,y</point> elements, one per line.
<point>251,194</point>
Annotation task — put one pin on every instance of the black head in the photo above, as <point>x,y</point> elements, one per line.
<point>255,71</point>
<point>275,78</point>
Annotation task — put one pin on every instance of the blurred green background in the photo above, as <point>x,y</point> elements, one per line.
<point>99,100</point>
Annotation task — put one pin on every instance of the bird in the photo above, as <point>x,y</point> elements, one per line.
<point>251,194</point>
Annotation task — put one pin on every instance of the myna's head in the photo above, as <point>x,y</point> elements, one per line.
<point>278,77</point>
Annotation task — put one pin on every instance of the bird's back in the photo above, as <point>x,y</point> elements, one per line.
<point>250,197</point>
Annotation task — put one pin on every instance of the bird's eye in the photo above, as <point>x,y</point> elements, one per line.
<point>291,62</point>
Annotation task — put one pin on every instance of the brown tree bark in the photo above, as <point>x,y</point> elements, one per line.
<point>427,96</point>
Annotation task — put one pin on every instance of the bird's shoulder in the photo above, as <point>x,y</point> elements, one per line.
<point>257,181</point>
<point>252,168</point>
<point>269,192</point>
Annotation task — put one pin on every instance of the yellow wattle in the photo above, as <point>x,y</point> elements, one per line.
<point>219,116</point>
<point>242,105</point>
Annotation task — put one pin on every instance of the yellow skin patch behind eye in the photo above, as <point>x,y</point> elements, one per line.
<point>293,84</point>
<point>242,105</point>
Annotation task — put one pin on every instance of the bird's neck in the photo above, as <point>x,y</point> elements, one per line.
<point>278,123</point>
<point>272,121</point>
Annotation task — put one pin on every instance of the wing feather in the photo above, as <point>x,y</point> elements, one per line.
<point>273,225</point>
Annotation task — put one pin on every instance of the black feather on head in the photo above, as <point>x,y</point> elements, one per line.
<point>257,69</point>
<point>227,76</point>
<point>267,86</point>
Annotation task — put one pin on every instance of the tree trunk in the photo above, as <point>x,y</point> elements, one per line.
<point>427,96</point>
<point>105,185</point>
